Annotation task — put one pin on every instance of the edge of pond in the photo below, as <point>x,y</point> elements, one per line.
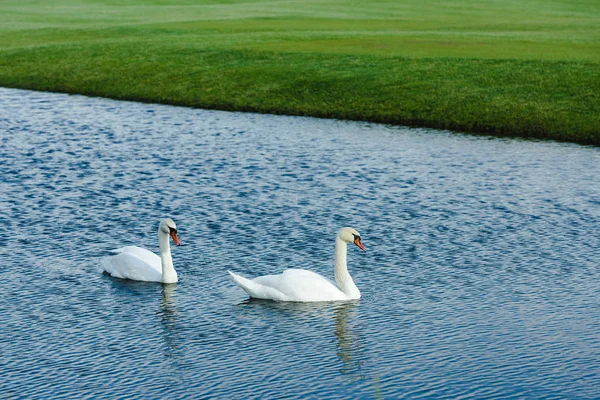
<point>454,128</point>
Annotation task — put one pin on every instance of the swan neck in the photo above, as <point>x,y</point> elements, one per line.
<point>168,271</point>
<point>342,277</point>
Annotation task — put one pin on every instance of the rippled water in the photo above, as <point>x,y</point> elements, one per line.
<point>481,279</point>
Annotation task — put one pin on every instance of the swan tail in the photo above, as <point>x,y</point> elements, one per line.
<point>242,282</point>
<point>256,290</point>
<point>107,267</point>
<point>117,251</point>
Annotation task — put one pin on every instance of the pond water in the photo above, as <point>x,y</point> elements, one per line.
<point>481,277</point>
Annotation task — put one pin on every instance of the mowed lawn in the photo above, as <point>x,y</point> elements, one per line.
<point>526,68</point>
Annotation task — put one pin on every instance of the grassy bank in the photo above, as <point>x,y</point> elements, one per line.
<point>501,67</point>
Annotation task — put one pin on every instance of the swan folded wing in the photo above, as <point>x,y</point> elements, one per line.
<point>302,285</point>
<point>126,265</point>
<point>141,253</point>
<point>257,290</point>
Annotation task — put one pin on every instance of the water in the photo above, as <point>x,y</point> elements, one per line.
<point>481,278</point>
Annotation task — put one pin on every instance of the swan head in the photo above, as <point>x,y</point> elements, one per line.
<point>168,227</point>
<point>350,235</point>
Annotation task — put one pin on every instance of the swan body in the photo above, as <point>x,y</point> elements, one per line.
<point>306,286</point>
<point>139,264</point>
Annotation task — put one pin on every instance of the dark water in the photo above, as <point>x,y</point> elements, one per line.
<point>481,280</point>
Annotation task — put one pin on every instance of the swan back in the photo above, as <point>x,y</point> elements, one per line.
<point>292,285</point>
<point>134,263</point>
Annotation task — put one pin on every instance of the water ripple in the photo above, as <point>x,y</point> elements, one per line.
<point>481,279</point>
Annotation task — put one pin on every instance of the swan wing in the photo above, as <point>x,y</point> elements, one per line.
<point>141,253</point>
<point>258,291</point>
<point>306,285</point>
<point>128,264</point>
<point>292,285</point>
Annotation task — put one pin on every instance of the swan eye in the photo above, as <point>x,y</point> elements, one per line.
<point>172,230</point>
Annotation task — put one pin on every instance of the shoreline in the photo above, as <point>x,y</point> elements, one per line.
<point>415,126</point>
<point>507,122</point>
<point>477,70</point>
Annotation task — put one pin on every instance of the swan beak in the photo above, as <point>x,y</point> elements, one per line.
<point>358,242</point>
<point>175,238</point>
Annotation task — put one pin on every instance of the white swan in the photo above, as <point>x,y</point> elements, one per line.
<point>139,264</point>
<point>304,286</point>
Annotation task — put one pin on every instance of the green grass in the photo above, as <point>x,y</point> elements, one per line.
<point>503,67</point>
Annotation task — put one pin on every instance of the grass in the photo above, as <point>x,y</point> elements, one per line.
<point>517,68</point>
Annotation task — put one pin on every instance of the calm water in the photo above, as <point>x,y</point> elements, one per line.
<point>481,279</point>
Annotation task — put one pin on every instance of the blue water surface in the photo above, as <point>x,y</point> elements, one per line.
<point>481,279</point>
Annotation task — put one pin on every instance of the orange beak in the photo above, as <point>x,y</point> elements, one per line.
<point>358,242</point>
<point>175,238</point>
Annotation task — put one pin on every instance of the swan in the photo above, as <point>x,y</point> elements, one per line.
<point>139,264</point>
<point>305,286</point>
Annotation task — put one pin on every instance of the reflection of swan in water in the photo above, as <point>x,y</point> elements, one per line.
<point>345,342</point>
<point>168,318</point>
<point>168,306</point>
<point>348,347</point>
